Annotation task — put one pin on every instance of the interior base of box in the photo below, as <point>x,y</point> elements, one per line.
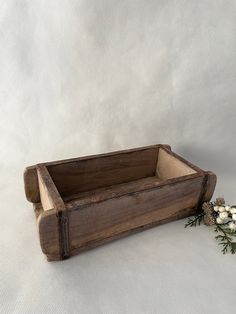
<point>117,190</point>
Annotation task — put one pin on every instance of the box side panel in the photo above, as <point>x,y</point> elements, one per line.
<point>88,174</point>
<point>123,214</point>
<point>169,166</point>
<point>45,196</point>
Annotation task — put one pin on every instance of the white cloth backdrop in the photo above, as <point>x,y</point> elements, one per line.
<point>84,77</point>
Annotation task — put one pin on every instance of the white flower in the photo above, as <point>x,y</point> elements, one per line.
<point>219,220</point>
<point>216,208</point>
<point>221,209</point>
<point>234,216</point>
<point>227,208</point>
<point>232,225</point>
<point>233,210</point>
<point>224,215</point>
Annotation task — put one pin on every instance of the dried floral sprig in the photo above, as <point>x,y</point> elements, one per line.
<point>223,217</point>
<point>226,239</point>
<point>196,220</point>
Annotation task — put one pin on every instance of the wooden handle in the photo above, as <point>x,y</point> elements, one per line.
<point>210,186</point>
<point>31,185</point>
<point>51,200</point>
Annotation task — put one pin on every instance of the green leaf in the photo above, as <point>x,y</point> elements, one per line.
<point>196,220</point>
<point>233,244</point>
<point>225,239</point>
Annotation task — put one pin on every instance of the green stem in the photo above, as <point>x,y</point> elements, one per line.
<point>223,231</point>
<point>226,240</point>
<point>192,222</point>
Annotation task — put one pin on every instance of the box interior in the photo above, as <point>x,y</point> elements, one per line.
<point>111,175</point>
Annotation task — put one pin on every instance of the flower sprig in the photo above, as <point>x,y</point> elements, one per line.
<point>223,217</point>
<point>226,239</point>
<point>195,221</point>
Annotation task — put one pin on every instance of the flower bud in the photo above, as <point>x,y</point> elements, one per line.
<point>221,209</point>
<point>232,226</point>
<point>219,220</point>
<point>224,215</point>
<point>233,210</point>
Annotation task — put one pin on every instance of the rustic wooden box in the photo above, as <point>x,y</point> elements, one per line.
<point>83,202</point>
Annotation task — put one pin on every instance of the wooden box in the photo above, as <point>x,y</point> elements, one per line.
<point>83,202</point>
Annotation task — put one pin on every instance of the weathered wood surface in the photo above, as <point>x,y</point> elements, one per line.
<point>103,171</point>
<point>31,184</point>
<point>210,186</point>
<point>113,191</point>
<point>49,233</point>
<point>30,174</point>
<point>52,205</point>
<point>117,215</point>
<point>169,166</point>
<point>84,202</point>
<point>49,195</point>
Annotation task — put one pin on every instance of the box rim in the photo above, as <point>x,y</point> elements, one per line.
<point>30,173</point>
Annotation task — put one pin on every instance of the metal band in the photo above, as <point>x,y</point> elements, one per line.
<point>63,221</point>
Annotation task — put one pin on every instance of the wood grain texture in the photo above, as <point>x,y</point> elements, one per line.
<point>52,203</point>
<point>116,215</point>
<point>118,190</point>
<point>30,174</point>
<point>89,174</point>
<point>180,158</point>
<point>180,214</point>
<point>31,184</point>
<point>88,201</point>
<point>210,186</point>
<point>49,234</point>
<point>49,195</point>
<point>168,166</point>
